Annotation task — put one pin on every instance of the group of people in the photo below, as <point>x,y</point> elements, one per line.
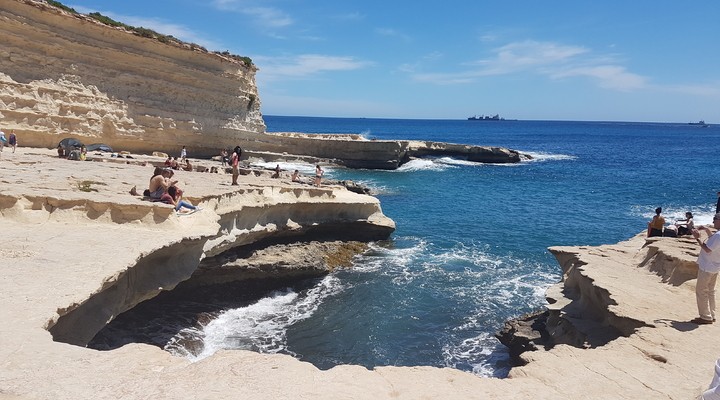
<point>173,163</point>
<point>163,187</point>
<point>319,172</point>
<point>10,141</point>
<point>233,159</point>
<point>681,227</point>
<point>708,258</point>
<point>75,154</point>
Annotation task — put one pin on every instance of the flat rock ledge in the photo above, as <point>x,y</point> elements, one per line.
<point>618,321</point>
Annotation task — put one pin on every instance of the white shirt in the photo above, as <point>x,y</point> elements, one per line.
<point>710,262</point>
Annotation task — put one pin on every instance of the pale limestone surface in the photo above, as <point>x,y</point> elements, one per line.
<point>61,251</point>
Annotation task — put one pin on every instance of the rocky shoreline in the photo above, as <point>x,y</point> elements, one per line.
<point>616,327</point>
<point>78,250</point>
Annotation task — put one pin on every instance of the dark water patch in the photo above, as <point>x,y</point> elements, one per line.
<point>160,320</point>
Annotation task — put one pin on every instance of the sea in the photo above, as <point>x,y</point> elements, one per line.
<point>471,246</point>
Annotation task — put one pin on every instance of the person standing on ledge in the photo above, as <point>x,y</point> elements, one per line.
<point>235,163</point>
<point>183,154</point>
<point>318,175</point>
<point>717,207</point>
<point>708,268</point>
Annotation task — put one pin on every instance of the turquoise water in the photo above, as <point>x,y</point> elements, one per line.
<point>470,249</point>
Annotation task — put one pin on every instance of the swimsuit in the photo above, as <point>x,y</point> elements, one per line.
<point>157,194</point>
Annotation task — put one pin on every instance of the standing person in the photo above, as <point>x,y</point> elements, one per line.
<point>12,140</point>
<point>717,207</point>
<point>708,268</point>
<point>318,175</point>
<point>183,154</point>
<point>235,162</point>
<point>224,157</point>
<point>2,141</point>
<point>655,226</point>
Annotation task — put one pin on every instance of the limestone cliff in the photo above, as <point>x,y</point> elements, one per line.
<point>66,75</point>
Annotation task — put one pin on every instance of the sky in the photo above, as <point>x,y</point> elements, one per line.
<point>640,60</point>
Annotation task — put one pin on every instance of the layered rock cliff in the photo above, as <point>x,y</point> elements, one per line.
<point>65,74</point>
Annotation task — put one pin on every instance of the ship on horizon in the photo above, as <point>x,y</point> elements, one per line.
<point>700,123</point>
<point>495,117</point>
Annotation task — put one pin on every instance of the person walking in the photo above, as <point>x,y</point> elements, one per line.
<point>708,268</point>
<point>12,140</point>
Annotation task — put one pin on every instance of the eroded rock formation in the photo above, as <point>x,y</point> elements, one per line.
<point>74,259</point>
<point>67,75</point>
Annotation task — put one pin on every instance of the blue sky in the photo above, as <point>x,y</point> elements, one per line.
<point>563,60</point>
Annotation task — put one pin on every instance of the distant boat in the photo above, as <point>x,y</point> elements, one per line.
<point>700,123</point>
<point>495,117</point>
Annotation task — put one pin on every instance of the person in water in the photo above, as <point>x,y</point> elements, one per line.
<point>655,226</point>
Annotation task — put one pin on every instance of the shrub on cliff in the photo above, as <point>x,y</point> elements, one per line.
<point>147,33</point>
<point>61,6</point>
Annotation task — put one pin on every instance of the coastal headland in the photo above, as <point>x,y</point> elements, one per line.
<point>78,249</point>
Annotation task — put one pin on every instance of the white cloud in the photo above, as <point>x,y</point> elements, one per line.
<point>389,32</point>
<point>554,60</point>
<point>263,16</point>
<point>608,76</point>
<point>710,90</point>
<point>305,65</point>
<point>353,16</point>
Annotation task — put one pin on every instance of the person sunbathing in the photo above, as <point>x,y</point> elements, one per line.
<point>159,183</point>
<point>181,206</point>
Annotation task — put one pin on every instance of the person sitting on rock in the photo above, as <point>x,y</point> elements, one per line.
<point>655,226</point>
<point>181,206</point>
<point>685,226</point>
<point>276,175</point>
<point>187,166</point>
<point>296,176</point>
<point>168,162</point>
<point>159,183</point>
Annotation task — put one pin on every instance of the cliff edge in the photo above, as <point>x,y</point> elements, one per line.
<point>79,250</point>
